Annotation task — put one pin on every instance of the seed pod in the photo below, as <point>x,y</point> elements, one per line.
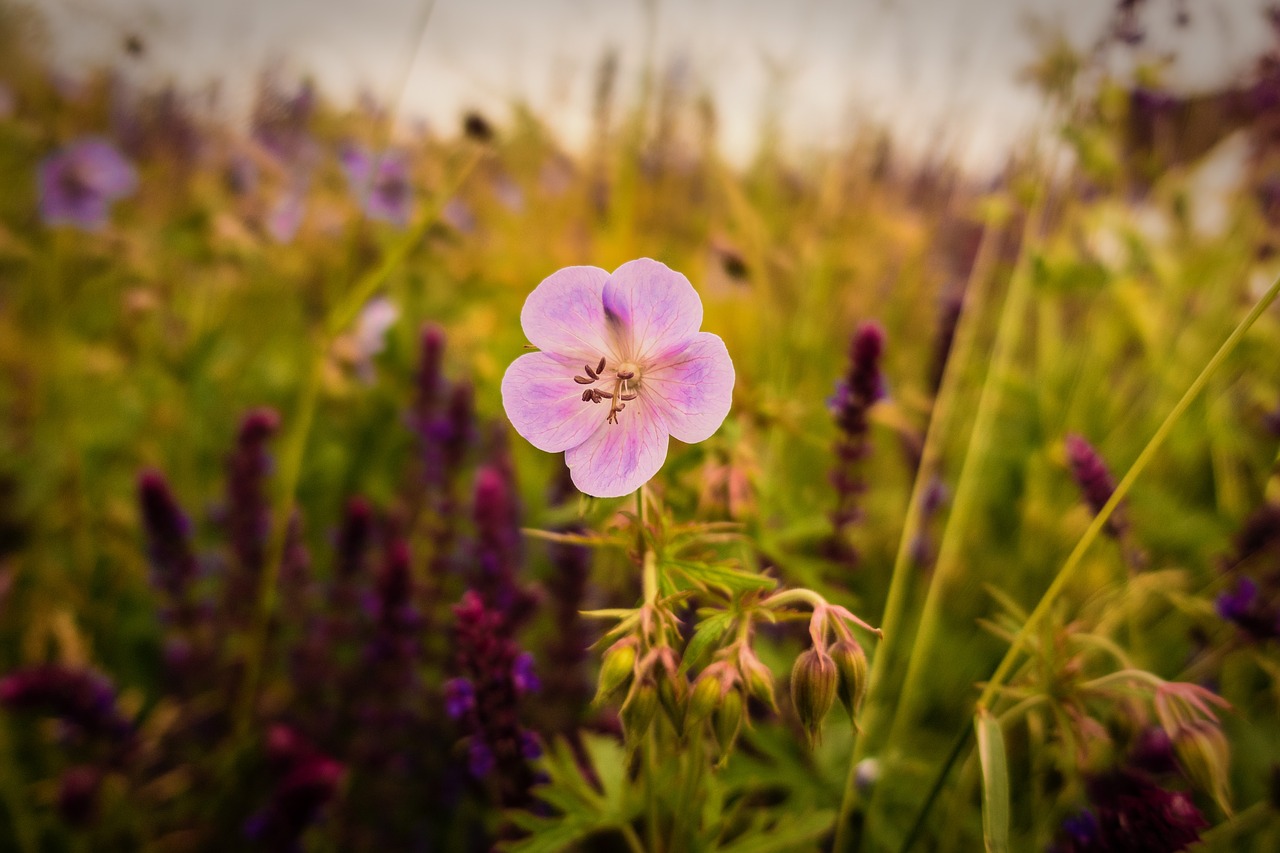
<point>616,669</point>
<point>639,709</point>
<point>851,663</point>
<point>1205,756</point>
<point>671,695</point>
<point>758,680</point>
<point>726,721</point>
<point>813,689</point>
<point>705,696</point>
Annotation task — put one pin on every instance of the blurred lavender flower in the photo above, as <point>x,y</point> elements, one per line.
<point>1094,479</point>
<point>508,193</point>
<point>248,517</point>
<point>861,388</point>
<point>457,214</point>
<point>279,119</point>
<point>1244,607</point>
<point>487,657</point>
<point>459,698</point>
<point>307,781</point>
<point>524,676</point>
<point>377,317</point>
<point>78,184</point>
<point>380,183</point>
<point>81,698</point>
<point>286,214</point>
<point>168,530</point>
<point>1128,811</point>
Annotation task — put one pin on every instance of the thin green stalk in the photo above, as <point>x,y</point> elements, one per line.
<point>877,705</point>
<point>1066,573</point>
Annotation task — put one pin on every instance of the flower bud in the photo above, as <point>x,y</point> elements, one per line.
<point>616,669</point>
<point>726,721</point>
<point>640,708</point>
<point>758,680</point>
<point>1205,757</point>
<point>813,689</point>
<point>671,695</point>
<point>705,696</point>
<point>851,664</point>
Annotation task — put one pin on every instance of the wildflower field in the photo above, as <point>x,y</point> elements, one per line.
<point>374,489</point>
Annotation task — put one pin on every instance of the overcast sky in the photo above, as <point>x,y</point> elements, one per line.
<point>919,65</point>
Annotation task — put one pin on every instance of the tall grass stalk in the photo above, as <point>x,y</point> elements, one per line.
<point>1067,573</point>
<point>879,686</point>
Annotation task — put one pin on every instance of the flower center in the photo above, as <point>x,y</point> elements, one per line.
<point>623,384</point>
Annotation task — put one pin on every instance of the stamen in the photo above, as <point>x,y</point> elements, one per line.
<point>625,375</point>
<point>600,366</point>
<point>590,372</point>
<point>604,394</point>
<point>582,380</point>
<point>628,397</point>
<point>586,395</point>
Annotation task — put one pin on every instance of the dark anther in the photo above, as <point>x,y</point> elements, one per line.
<point>621,406</point>
<point>626,375</point>
<point>586,395</point>
<point>607,394</point>
<point>590,372</point>
<point>628,396</point>
<point>582,380</point>
<point>600,366</point>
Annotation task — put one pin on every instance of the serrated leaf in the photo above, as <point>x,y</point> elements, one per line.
<point>790,833</point>
<point>705,638</point>
<point>995,782</point>
<point>718,575</point>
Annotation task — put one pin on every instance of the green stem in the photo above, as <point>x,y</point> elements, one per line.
<point>1067,573</point>
<point>633,840</point>
<point>879,705</point>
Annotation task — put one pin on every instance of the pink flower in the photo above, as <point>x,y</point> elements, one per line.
<point>623,367</point>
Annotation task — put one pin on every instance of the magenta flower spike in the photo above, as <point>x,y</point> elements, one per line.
<point>623,367</point>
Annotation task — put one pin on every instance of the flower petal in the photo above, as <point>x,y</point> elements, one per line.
<point>691,388</point>
<point>565,314</point>
<point>545,405</point>
<point>651,308</point>
<point>619,458</point>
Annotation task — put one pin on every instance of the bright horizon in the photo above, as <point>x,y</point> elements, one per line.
<point>932,74</point>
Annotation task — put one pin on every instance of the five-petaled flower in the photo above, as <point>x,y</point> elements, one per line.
<point>622,368</point>
<point>79,183</point>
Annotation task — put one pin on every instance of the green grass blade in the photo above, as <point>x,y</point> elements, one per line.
<point>995,782</point>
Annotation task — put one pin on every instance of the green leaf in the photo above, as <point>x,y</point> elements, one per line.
<point>705,638</point>
<point>790,833</point>
<point>995,782</point>
<point>720,575</point>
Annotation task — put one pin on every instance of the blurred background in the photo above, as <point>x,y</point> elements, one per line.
<point>276,574</point>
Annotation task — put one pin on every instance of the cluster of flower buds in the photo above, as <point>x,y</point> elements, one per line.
<point>1186,714</point>
<point>829,670</point>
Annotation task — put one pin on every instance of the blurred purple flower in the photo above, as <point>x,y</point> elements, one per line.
<point>457,214</point>
<point>523,675</point>
<point>81,698</point>
<point>480,759</point>
<point>173,565</point>
<point>286,215</point>
<point>1244,607</point>
<point>78,184</point>
<point>1128,811</point>
<point>459,698</point>
<point>380,183</point>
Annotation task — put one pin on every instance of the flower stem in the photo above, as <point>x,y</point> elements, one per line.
<point>878,703</point>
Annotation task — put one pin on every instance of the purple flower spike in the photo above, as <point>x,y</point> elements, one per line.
<point>380,183</point>
<point>623,368</point>
<point>459,698</point>
<point>523,676</point>
<point>78,184</point>
<point>480,759</point>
